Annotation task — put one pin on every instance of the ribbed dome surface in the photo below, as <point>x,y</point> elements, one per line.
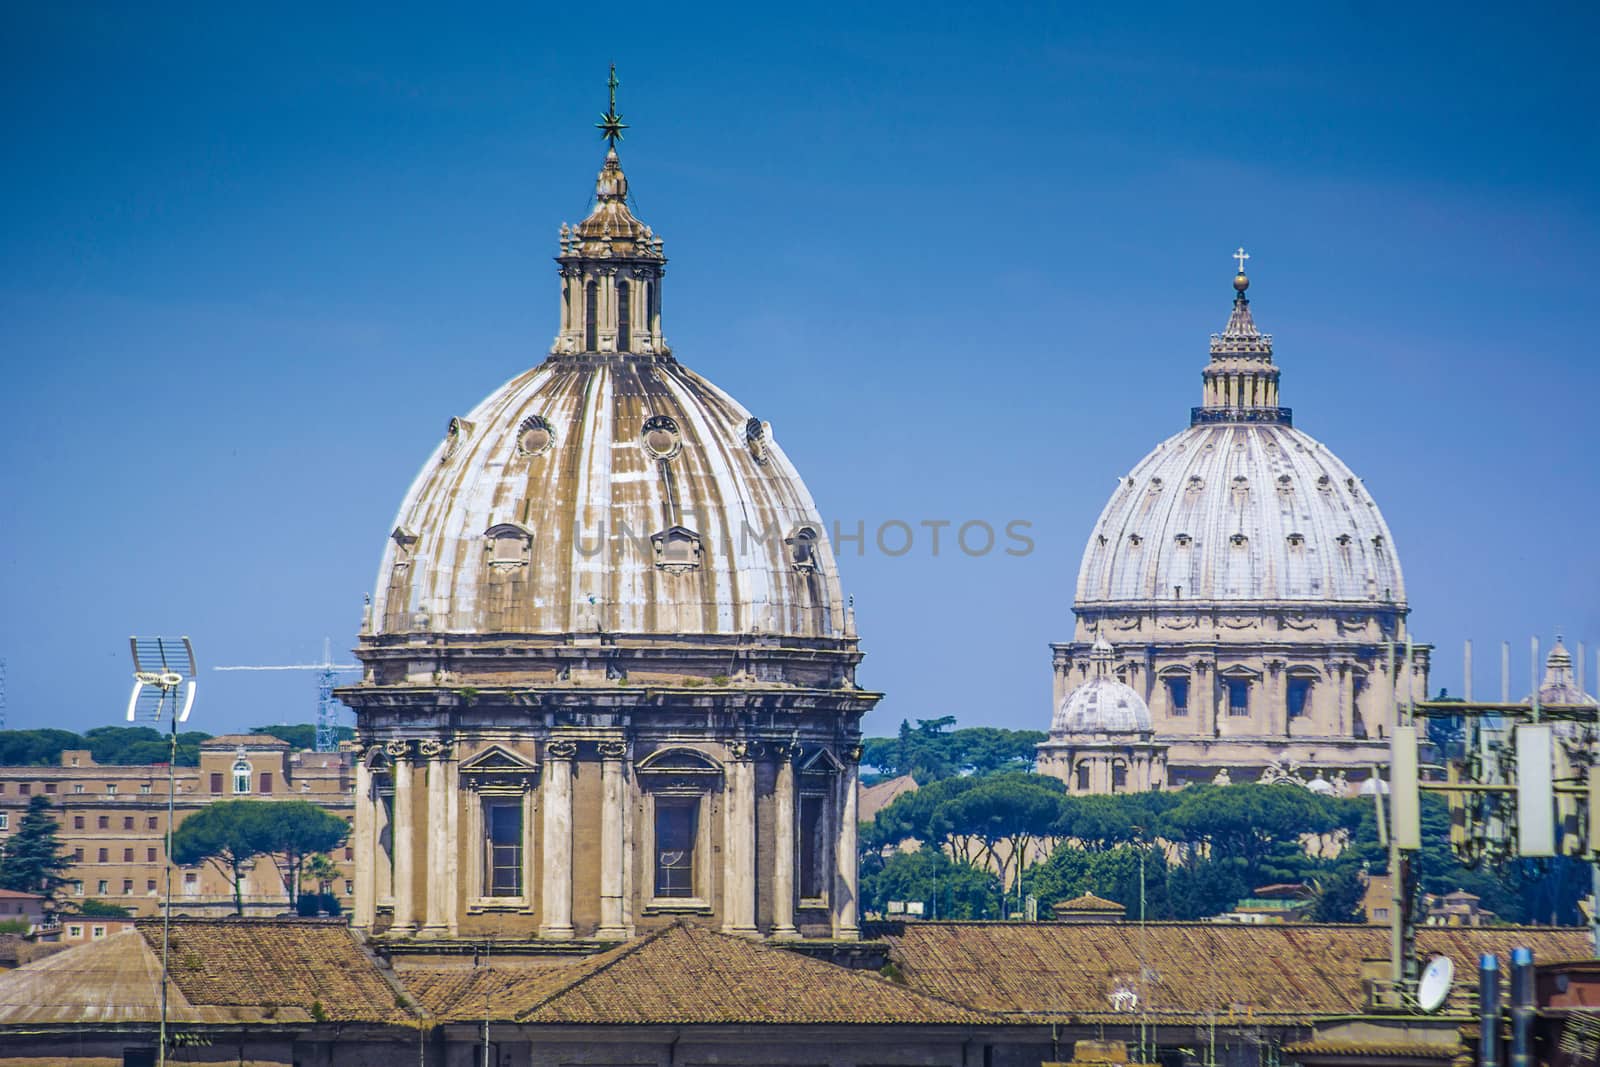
<point>1102,706</point>
<point>1240,511</point>
<point>617,493</point>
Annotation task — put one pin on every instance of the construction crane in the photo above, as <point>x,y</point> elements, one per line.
<point>327,740</point>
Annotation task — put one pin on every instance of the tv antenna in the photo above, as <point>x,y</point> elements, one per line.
<point>164,681</point>
<point>327,725</point>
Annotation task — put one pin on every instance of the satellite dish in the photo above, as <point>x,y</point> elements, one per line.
<point>1435,984</point>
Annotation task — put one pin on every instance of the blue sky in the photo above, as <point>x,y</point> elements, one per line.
<point>965,260</point>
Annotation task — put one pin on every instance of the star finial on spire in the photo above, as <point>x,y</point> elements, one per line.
<point>1241,255</point>
<point>611,124</point>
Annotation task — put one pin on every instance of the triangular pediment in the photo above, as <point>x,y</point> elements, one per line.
<point>497,760</point>
<point>821,761</point>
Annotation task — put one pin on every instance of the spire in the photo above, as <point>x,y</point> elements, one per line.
<point>1241,383</point>
<point>1102,657</point>
<point>611,264</point>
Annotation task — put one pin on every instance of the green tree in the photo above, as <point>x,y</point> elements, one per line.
<point>34,862</point>
<point>301,735</point>
<point>1339,895</point>
<point>227,834</point>
<point>36,748</point>
<point>948,890</point>
<point>1003,817</point>
<point>1110,873</point>
<point>1202,888</point>
<point>100,909</point>
<point>290,831</point>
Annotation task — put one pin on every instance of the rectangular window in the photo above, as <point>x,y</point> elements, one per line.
<point>77,822</point>
<point>77,787</point>
<point>138,1057</point>
<point>1119,777</point>
<point>624,312</point>
<point>149,855</point>
<point>813,849</point>
<point>502,824</point>
<point>77,855</point>
<point>1178,696</point>
<point>49,787</point>
<point>1083,777</point>
<point>127,887</point>
<point>1238,696</point>
<point>103,887</point>
<point>127,855</point>
<point>149,885</point>
<point>127,822</point>
<point>5,820</point>
<point>1299,696</point>
<point>25,788</point>
<point>591,313</point>
<point>98,931</point>
<point>216,781</point>
<point>349,887</point>
<point>266,781</point>
<point>105,856</point>
<point>77,889</point>
<point>677,826</point>
<point>103,822</point>
<point>349,852</point>
<point>111,789</point>
<point>144,787</point>
<point>152,823</point>
<point>74,931</point>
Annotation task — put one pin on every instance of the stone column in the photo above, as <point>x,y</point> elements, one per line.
<point>438,870</point>
<point>403,834</point>
<point>366,839</point>
<point>783,847</point>
<point>452,854</point>
<point>614,918</point>
<point>845,885</point>
<point>555,919</point>
<point>739,844</point>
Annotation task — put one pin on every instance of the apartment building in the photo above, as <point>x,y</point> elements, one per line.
<point>114,820</point>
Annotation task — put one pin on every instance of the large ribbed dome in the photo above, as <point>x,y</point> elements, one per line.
<point>610,489</point>
<point>1239,511</point>
<point>1241,506</point>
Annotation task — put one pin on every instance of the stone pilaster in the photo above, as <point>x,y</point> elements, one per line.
<point>783,846</point>
<point>441,872</point>
<point>846,927</point>
<point>403,835</point>
<point>365,842</point>
<point>555,920</point>
<point>615,921</point>
<point>739,843</point>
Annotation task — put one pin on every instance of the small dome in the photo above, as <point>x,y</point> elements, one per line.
<point>1560,683</point>
<point>1321,786</point>
<point>1102,705</point>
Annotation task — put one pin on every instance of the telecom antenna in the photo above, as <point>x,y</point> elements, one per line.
<point>164,681</point>
<point>2,694</point>
<point>327,724</point>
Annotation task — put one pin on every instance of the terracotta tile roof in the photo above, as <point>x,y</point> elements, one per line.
<point>1088,902</point>
<point>1063,971</point>
<point>872,799</point>
<point>683,976</point>
<point>117,980</point>
<point>315,965</point>
<point>247,740</point>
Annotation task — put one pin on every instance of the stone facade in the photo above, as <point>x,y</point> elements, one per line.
<point>609,673</point>
<point>113,820</point>
<point>1251,588</point>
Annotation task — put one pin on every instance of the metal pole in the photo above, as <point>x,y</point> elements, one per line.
<point>1522,1009</point>
<point>1533,675</point>
<point>1466,673</point>
<point>1505,672</point>
<point>1488,1010</point>
<point>166,904</point>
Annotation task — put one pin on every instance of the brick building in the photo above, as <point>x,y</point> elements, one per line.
<point>113,819</point>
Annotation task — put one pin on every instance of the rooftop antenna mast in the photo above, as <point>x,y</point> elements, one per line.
<point>2,694</point>
<point>164,682</point>
<point>327,722</point>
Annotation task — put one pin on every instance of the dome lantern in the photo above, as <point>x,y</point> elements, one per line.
<point>611,266</point>
<point>1241,383</point>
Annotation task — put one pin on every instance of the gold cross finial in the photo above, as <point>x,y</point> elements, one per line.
<point>611,124</point>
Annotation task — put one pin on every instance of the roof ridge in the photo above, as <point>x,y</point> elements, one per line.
<point>598,964</point>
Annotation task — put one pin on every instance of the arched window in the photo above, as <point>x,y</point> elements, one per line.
<point>241,775</point>
<point>591,337</point>
<point>1083,777</point>
<point>624,316</point>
